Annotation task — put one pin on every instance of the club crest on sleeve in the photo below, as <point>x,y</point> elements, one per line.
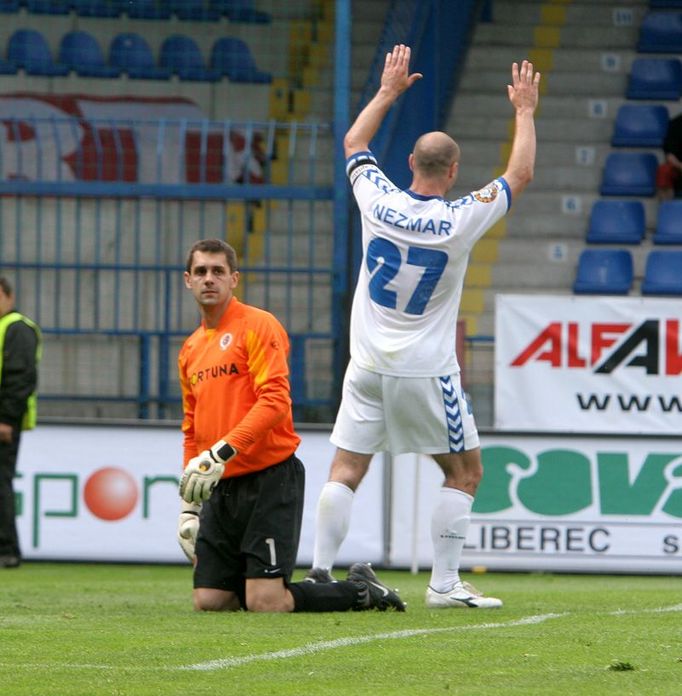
<point>487,194</point>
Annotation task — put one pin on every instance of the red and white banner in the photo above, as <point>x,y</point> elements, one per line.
<point>127,139</point>
<point>588,364</point>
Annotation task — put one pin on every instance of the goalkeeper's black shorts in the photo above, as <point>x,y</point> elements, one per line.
<point>250,528</point>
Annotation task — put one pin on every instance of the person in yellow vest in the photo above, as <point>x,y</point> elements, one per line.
<point>19,356</point>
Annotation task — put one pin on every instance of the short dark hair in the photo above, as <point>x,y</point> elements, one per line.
<point>6,286</point>
<point>213,246</point>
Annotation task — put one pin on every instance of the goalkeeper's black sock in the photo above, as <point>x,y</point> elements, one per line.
<point>328,596</point>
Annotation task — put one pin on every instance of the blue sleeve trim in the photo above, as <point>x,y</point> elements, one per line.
<point>355,160</point>
<point>505,186</point>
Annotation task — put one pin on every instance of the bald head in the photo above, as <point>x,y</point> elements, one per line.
<point>434,153</point>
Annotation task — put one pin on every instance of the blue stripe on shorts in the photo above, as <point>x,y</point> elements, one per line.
<point>453,416</point>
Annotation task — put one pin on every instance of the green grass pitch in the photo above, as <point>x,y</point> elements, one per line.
<point>127,630</point>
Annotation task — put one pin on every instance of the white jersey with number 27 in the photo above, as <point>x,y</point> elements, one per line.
<point>415,254</point>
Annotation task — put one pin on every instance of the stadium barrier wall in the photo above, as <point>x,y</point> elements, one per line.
<point>589,503</point>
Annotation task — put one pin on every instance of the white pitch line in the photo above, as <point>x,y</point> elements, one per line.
<point>322,646</point>
<point>312,648</point>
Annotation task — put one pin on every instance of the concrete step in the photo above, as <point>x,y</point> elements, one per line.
<point>577,36</point>
<point>593,14</point>
<point>578,130</point>
<point>565,83</point>
<point>562,59</point>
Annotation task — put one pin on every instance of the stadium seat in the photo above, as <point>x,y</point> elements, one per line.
<point>655,78</point>
<point>660,32</point>
<point>148,9</point>
<point>82,54</point>
<point>54,7</point>
<point>640,125</point>
<point>131,54</point>
<point>663,273</point>
<point>616,222</point>
<point>240,11</point>
<point>669,223</point>
<point>660,4</point>
<point>28,50</point>
<point>231,56</point>
<point>182,56</point>
<point>194,10</point>
<point>9,6</point>
<point>98,8</point>
<point>629,174</point>
<point>604,272</point>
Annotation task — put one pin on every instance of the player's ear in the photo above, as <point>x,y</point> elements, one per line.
<point>188,282</point>
<point>234,280</point>
<point>410,161</point>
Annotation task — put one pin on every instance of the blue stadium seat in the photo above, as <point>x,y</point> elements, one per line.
<point>53,7</point>
<point>241,11</point>
<point>640,125</point>
<point>629,174</point>
<point>663,273</point>
<point>604,272</point>
<point>9,6</point>
<point>231,56</point>
<point>659,4</point>
<point>132,54</point>
<point>98,8</point>
<point>669,223</point>
<point>27,49</point>
<point>660,32</point>
<point>655,78</point>
<point>616,222</point>
<point>182,56</point>
<point>194,10</point>
<point>82,54</point>
<point>148,9</point>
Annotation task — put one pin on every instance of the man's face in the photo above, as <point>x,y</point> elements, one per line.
<point>210,279</point>
<point>6,303</point>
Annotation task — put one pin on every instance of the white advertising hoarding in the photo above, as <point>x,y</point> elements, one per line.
<point>110,493</point>
<point>588,364</point>
<point>588,503</point>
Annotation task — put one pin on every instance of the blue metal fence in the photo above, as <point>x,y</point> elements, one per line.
<point>96,252</point>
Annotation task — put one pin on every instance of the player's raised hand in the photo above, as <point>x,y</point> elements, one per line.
<point>396,76</point>
<point>523,92</point>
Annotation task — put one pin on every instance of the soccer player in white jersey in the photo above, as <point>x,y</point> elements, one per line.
<point>402,390</point>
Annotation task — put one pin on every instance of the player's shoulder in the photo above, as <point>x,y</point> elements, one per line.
<point>256,316</point>
<point>487,194</point>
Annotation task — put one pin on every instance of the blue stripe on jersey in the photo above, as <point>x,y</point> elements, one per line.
<point>364,157</point>
<point>505,186</point>
<point>453,417</point>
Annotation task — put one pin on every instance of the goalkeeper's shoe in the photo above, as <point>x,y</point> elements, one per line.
<point>462,596</point>
<point>318,575</point>
<point>373,594</point>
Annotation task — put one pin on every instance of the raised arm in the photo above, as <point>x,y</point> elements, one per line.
<point>523,94</point>
<point>395,79</point>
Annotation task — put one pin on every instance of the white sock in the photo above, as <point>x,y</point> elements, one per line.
<point>333,518</point>
<point>449,526</point>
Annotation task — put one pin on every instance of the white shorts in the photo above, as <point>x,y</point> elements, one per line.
<point>425,415</point>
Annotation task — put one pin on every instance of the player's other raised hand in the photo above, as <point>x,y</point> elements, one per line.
<point>524,89</point>
<point>396,76</point>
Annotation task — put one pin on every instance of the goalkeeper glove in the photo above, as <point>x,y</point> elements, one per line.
<point>203,472</point>
<point>188,528</point>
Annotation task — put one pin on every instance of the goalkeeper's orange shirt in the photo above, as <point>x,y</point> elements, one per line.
<point>235,387</point>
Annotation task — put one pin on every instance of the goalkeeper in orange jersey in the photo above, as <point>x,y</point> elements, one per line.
<point>242,487</point>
